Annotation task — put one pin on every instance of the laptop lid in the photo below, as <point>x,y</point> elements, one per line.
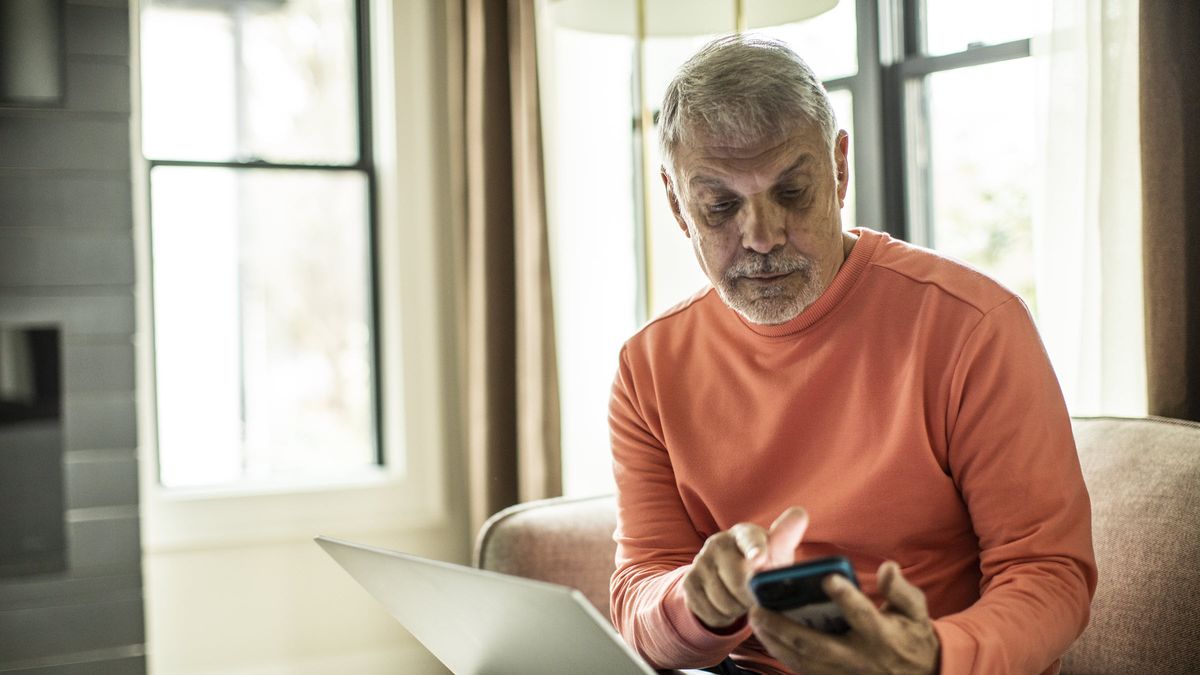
<point>479,622</point>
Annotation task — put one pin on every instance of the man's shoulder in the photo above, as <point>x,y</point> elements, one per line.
<point>912,264</point>
<point>677,321</point>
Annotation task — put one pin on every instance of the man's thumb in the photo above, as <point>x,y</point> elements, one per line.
<point>785,535</point>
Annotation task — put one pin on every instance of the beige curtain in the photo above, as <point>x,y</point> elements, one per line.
<point>1170,128</point>
<point>511,375</point>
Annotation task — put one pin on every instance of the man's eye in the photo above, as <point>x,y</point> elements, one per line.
<point>721,207</point>
<point>791,194</point>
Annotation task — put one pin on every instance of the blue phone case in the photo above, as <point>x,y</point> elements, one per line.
<point>796,592</point>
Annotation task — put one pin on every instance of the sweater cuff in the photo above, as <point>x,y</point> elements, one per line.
<point>956,652</point>
<point>692,631</point>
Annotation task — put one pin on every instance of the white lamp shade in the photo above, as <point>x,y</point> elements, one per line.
<point>665,18</point>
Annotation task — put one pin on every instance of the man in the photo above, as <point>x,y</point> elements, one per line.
<point>833,393</point>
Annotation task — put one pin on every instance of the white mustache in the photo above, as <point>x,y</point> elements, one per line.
<point>767,265</point>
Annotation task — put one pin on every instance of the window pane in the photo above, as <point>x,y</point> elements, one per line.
<point>267,80</point>
<point>262,337</point>
<point>827,42</point>
<point>590,181</point>
<point>953,25</point>
<point>981,136</point>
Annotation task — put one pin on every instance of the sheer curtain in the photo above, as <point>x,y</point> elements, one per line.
<point>1087,205</point>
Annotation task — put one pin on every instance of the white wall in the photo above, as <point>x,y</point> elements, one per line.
<point>233,582</point>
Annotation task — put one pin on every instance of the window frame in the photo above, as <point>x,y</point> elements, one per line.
<point>890,109</point>
<point>411,51</point>
<point>363,165</point>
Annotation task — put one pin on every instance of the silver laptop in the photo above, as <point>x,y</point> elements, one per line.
<point>484,623</point>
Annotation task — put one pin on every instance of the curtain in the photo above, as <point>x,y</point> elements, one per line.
<point>511,375</point>
<point>1170,127</point>
<point>1087,205</point>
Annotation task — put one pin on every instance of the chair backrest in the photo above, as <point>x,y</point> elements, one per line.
<point>1144,480</point>
<point>563,541</point>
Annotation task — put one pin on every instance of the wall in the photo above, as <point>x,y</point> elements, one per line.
<point>67,257</point>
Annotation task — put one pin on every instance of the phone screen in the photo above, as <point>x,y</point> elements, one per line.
<point>796,592</point>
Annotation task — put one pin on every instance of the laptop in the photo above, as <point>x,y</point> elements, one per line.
<point>485,623</point>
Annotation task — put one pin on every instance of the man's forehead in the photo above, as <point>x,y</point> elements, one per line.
<point>712,169</point>
<point>699,151</point>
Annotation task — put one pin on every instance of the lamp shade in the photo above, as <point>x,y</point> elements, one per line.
<point>678,18</point>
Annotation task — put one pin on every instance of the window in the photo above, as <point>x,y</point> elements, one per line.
<point>913,81</point>
<point>257,131</point>
<point>960,70</point>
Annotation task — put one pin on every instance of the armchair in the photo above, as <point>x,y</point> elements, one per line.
<point>1144,478</point>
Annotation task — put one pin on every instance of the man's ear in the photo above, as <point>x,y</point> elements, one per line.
<point>841,159</point>
<point>673,199</point>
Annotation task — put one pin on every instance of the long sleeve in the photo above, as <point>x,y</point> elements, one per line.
<point>1012,456</point>
<point>656,543</point>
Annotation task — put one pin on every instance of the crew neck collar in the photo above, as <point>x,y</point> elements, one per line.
<point>843,281</point>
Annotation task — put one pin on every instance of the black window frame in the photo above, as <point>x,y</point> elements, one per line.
<point>364,165</point>
<point>890,108</point>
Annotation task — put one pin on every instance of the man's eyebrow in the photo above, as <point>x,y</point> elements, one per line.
<point>707,181</point>
<point>715,183</point>
<point>801,162</point>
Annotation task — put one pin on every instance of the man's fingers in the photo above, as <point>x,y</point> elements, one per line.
<point>772,630</point>
<point>698,603</point>
<point>716,587</point>
<point>736,578</point>
<point>785,535</point>
<point>858,609</point>
<point>802,648</point>
<point>723,596</point>
<point>698,597</point>
<point>751,540</point>
<point>900,594</point>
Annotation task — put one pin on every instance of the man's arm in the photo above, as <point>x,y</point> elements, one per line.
<point>656,542</point>
<point>1012,455</point>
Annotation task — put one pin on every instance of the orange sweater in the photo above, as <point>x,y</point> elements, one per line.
<point>911,410</point>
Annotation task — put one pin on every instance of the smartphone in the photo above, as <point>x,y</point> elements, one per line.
<point>796,592</point>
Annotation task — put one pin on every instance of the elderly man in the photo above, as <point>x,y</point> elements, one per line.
<point>834,393</point>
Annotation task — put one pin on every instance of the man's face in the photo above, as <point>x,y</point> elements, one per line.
<point>764,219</point>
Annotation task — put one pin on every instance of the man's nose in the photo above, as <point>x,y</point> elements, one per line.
<point>764,229</point>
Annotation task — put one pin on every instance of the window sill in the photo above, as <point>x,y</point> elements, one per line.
<point>261,487</point>
<point>258,513</point>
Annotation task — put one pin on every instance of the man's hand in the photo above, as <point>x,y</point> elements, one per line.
<point>717,588</point>
<point>897,638</point>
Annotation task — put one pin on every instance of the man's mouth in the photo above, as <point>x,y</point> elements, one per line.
<point>767,277</point>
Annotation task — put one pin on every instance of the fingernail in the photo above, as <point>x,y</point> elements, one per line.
<point>835,583</point>
<point>754,553</point>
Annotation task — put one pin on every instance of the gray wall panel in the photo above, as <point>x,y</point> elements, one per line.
<point>100,421</point>
<point>98,368</point>
<point>78,315</point>
<point>65,142</point>
<point>104,482</point>
<point>99,31</point>
<point>97,86</point>
<point>109,543</point>
<point>47,631</point>
<point>66,258</point>
<point>48,201</point>
<point>70,587</point>
<point>123,666</point>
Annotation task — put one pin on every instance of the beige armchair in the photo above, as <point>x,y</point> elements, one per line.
<point>1144,479</point>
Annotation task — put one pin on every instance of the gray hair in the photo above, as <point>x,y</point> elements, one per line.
<point>742,89</point>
